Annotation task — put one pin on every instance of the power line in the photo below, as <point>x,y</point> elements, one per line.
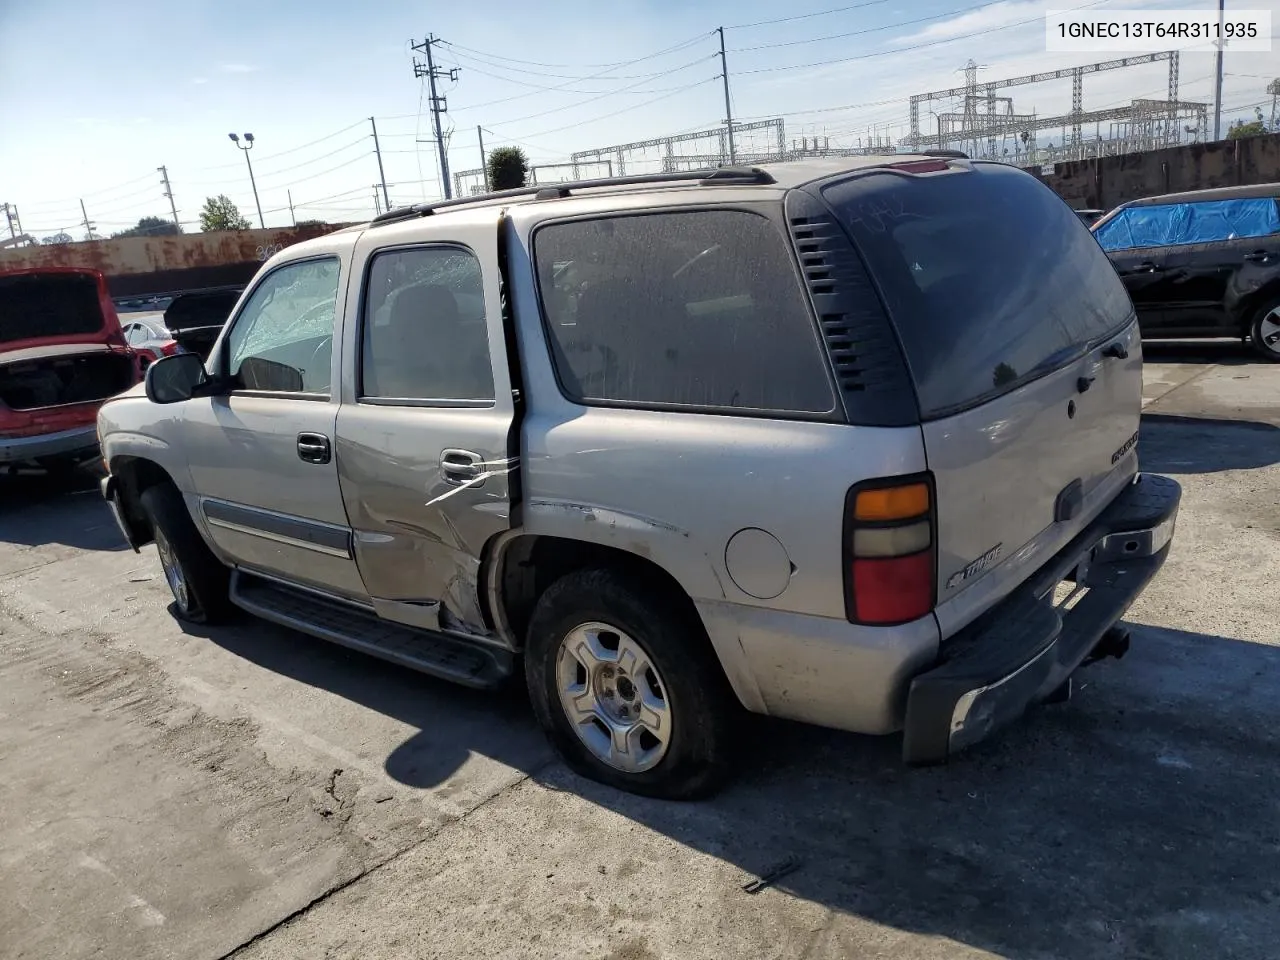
<point>918,46</point>
<point>868,30</point>
<point>282,153</point>
<point>806,16</point>
<point>322,173</point>
<point>621,90</point>
<point>607,116</point>
<point>535,63</point>
<point>500,61</point>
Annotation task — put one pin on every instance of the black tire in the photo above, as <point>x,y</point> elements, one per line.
<point>207,580</point>
<point>1258,338</point>
<point>702,706</point>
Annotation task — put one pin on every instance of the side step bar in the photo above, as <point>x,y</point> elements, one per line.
<point>441,656</point>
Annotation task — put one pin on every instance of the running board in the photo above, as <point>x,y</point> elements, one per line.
<point>338,622</point>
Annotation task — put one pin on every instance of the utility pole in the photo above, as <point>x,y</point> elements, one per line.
<point>168,192</point>
<point>484,163</point>
<point>381,175</point>
<point>13,234</point>
<point>439,105</point>
<point>292,216</point>
<point>377,203</point>
<point>88,224</point>
<point>1217,96</point>
<point>728,109</point>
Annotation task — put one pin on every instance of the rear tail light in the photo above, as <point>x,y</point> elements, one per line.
<point>890,540</point>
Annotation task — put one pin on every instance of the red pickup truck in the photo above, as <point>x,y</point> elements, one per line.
<point>62,353</point>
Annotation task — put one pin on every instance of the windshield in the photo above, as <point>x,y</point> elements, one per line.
<point>989,277</point>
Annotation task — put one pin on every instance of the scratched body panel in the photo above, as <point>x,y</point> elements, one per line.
<point>418,534</point>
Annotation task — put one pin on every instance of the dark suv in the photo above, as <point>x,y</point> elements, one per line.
<point>1201,264</point>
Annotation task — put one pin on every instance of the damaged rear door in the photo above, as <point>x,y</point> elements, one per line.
<point>424,435</point>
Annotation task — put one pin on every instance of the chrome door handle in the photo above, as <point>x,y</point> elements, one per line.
<point>314,448</point>
<point>461,466</point>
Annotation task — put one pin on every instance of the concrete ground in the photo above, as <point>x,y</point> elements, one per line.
<point>256,793</point>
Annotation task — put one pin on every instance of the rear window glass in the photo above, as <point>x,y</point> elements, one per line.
<point>1172,224</point>
<point>694,309</point>
<point>53,305</point>
<point>989,277</point>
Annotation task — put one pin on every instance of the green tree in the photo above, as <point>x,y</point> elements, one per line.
<point>1239,130</point>
<point>150,227</point>
<point>220,213</point>
<point>508,168</point>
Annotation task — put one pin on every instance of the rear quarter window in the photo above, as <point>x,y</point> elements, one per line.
<point>990,279</point>
<point>691,309</point>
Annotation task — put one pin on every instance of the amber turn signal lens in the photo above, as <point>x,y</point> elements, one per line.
<point>892,503</point>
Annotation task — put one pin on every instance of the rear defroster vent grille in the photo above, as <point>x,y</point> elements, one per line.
<point>865,354</point>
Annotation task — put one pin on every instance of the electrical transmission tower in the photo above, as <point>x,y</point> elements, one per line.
<point>985,120</point>
<point>439,105</point>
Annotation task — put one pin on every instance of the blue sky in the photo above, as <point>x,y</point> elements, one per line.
<point>95,96</point>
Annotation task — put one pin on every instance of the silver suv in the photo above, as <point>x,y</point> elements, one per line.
<point>850,442</point>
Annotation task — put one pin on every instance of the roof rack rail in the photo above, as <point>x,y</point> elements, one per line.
<point>712,176</point>
<point>947,154</point>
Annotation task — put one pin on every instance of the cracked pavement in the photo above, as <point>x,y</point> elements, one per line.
<point>251,792</point>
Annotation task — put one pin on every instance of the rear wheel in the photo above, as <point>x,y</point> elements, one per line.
<point>198,580</point>
<point>627,690</point>
<point>1264,334</point>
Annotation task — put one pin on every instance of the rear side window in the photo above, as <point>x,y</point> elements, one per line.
<point>989,277</point>
<point>424,336</point>
<point>1172,224</point>
<point>698,309</point>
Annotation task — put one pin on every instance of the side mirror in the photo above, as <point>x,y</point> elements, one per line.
<point>174,379</point>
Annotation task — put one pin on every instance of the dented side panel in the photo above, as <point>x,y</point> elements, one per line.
<point>419,523</point>
<point>418,538</point>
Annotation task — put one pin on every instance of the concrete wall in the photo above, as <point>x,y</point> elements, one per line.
<point>1109,181</point>
<point>136,266</point>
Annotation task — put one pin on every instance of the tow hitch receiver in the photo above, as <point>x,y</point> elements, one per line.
<point>1114,643</point>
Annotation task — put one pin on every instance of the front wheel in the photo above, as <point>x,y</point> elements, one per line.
<point>200,583</point>
<point>1264,334</point>
<point>627,690</point>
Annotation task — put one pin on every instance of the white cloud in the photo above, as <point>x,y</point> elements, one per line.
<point>1027,14</point>
<point>992,17</point>
<point>236,68</point>
<point>199,79</point>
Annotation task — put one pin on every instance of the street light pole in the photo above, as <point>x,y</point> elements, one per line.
<point>245,150</point>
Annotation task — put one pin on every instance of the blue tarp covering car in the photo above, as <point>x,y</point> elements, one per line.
<point>1175,224</point>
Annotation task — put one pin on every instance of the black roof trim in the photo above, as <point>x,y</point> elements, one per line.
<point>1254,191</point>
<point>720,176</point>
